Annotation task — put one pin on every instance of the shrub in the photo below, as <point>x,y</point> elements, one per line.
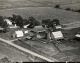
<point>77,11</point>
<point>57,6</point>
<point>69,9</point>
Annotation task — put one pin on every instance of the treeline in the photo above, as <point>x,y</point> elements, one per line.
<point>58,6</point>
<point>19,21</point>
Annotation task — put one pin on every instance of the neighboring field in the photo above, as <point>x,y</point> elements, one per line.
<point>38,3</point>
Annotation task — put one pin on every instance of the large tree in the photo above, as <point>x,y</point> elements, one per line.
<point>3,24</point>
<point>18,20</point>
<point>55,22</point>
<point>46,22</point>
<point>33,22</point>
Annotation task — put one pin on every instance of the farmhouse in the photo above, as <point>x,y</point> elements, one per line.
<point>8,21</point>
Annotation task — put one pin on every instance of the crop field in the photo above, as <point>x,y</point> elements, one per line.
<point>39,3</point>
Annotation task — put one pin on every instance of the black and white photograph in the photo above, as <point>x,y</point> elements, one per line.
<point>39,31</point>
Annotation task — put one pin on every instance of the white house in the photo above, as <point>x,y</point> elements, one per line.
<point>8,21</point>
<point>58,35</point>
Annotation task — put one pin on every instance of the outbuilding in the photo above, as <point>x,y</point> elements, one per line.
<point>40,32</point>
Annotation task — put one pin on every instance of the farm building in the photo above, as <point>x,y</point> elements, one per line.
<point>40,32</point>
<point>57,35</point>
<point>22,33</point>
<point>8,21</point>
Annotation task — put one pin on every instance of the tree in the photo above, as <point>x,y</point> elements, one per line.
<point>1,20</point>
<point>33,22</point>
<point>18,20</point>
<point>55,22</point>
<point>3,24</point>
<point>46,22</point>
<point>68,9</point>
<point>25,22</point>
<point>77,11</point>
